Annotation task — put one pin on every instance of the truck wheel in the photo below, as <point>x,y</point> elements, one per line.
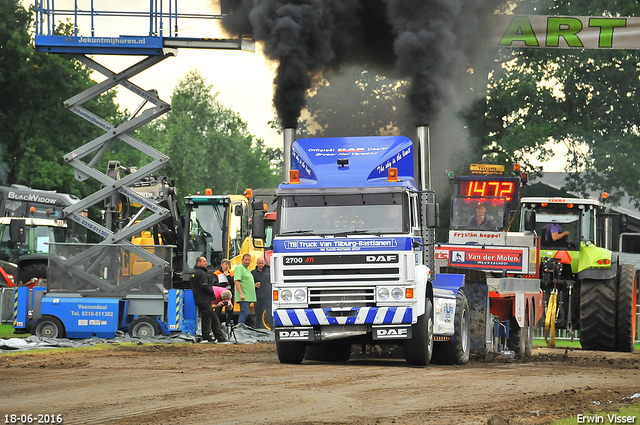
<point>419,348</point>
<point>598,314</point>
<point>521,339</point>
<point>332,351</point>
<point>290,352</point>
<point>626,308</point>
<point>456,351</point>
<point>144,327</point>
<point>48,327</point>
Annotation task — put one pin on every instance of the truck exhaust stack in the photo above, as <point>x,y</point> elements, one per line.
<point>289,135</point>
<point>424,157</point>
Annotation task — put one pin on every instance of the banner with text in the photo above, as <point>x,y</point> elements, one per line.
<point>565,32</point>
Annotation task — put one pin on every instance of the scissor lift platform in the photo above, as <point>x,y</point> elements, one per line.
<point>157,38</point>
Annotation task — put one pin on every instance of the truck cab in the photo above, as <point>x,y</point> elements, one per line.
<point>349,262</point>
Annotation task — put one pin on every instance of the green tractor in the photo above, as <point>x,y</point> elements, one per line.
<point>588,284</point>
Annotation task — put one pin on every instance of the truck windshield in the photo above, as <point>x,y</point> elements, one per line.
<point>333,214</point>
<point>478,213</point>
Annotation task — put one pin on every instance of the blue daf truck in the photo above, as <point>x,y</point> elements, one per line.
<point>351,254</point>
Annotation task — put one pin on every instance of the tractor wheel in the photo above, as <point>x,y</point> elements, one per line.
<point>48,327</point>
<point>144,327</point>
<point>626,308</point>
<point>521,339</point>
<point>419,348</point>
<point>457,350</point>
<point>290,352</point>
<point>598,314</point>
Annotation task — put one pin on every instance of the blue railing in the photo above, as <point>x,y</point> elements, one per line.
<point>147,32</point>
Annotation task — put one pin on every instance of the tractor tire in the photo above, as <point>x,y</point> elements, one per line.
<point>419,348</point>
<point>457,350</point>
<point>332,351</point>
<point>598,314</point>
<point>290,352</point>
<point>145,327</point>
<point>48,327</point>
<point>521,339</point>
<point>626,306</point>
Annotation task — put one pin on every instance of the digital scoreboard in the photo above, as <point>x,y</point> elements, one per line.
<point>488,187</point>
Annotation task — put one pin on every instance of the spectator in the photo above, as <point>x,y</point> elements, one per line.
<point>481,220</point>
<point>245,287</point>
<point>221,276</point>
<point>203,295</point>
<point>223,300</point>
<point>262,278</point>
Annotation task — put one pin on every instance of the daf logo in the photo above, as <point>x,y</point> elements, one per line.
<point>294,334</point>
<point>391,332</point>
<point>381,258</point>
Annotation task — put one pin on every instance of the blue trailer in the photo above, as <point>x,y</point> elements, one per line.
<point>97,298</point>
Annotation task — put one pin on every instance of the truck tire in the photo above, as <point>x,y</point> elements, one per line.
<point>521,339</point>
<point>457,350</point>
<point>626,306</point>
<point>144,327</point>
<point>331,351</point>
<point>48,327</point>
<point>598,314</point>
<point>419,348</point>
<point>290,352</point>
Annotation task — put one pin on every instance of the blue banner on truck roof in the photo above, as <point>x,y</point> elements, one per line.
<point>367,160</point>
<point>342,244</point>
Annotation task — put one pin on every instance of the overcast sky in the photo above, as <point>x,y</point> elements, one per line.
<point>243,79</point>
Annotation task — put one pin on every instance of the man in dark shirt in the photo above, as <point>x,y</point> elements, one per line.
<point>262,278</point>
<point>202,296</point>
<point>481,220</point>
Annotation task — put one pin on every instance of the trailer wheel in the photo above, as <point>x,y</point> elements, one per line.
<point>48,327</point>
<point>457,350</point>
<point>419,348</point>
<point>626,308</point>
<point>521,339</point>
<point>144,327</point>
<point>331,351</point>
<point>598,314</point>
<point>290,352</point>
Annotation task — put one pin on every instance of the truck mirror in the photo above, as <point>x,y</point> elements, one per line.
<point>529,221</point>
<point>18,231</point>
<point>432,216</point>
<point>257,226</point>
<point>257,205</point>
<point>237,210</point>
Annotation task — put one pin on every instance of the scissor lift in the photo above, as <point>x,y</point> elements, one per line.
<point>96,270</point>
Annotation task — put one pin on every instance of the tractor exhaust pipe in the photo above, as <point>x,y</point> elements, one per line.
<point>289,135</point>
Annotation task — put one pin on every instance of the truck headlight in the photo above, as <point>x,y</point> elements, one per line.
<point>383,294</point>
<point>396,293</point>
<point>299,295</point>
<point>286,295</point>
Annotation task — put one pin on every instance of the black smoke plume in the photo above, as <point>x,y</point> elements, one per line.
<point>429,42</point>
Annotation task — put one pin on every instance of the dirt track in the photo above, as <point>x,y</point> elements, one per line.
<point>209,383</point>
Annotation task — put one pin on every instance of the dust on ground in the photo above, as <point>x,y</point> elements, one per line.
<point>240,384</point>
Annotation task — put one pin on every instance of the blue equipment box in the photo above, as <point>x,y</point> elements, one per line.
<point>85,317</point>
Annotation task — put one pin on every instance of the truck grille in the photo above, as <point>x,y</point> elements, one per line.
<point>342,297</point>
